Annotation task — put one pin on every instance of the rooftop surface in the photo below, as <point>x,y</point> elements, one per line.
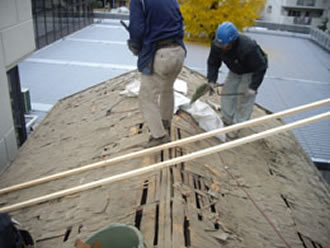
<point>299,73</point>
<point>264,194</point>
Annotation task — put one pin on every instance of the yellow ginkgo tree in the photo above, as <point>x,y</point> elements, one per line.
<point>202,17</point>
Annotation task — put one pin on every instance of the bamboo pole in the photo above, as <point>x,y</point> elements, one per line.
<point>167,163</point>
<point>165,146</point>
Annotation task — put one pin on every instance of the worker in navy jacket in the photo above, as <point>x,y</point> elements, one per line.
<point>247,64</point>
<point>156,36</point>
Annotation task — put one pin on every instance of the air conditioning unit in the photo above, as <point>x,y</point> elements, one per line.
<point>26,100</point>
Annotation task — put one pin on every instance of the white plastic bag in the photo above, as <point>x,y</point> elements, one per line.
<point>206,117</point>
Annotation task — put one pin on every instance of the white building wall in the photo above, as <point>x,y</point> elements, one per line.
<point>317,4</point>
<point>16,42</point>
<point>274,11</point>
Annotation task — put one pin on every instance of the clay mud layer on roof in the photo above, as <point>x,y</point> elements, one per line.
<point>264,194</point>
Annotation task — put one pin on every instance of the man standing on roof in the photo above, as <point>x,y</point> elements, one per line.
<point>247,64</point>
<point>156,37</point>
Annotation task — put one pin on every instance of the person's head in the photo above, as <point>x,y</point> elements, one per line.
<point>226,35</point>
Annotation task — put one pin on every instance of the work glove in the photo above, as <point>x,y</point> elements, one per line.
<point>133,48</point>
<point>250,92</point>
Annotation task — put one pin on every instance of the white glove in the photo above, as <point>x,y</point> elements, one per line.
<point>250,92</point>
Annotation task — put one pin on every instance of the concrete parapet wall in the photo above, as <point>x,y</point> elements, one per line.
<point>319,37</point>
<point>108,15</point>
<point>284,27</point>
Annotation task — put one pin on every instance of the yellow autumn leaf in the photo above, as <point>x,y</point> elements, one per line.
<point>202,17</point>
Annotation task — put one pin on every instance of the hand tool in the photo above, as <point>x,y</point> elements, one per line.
<point>205,88</point>
<point>124,25</point>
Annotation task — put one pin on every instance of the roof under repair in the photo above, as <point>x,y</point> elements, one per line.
<point>264,194</point>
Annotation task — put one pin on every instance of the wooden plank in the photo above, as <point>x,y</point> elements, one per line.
<point>167,222</point>
<point>148,217</point>
<point>163,204</point>
<point>199,212</point>
<point>149,208</point>
<point>177,212</point>
<point>178,203</point>
<point>165,146</point>
<point>53,242</point>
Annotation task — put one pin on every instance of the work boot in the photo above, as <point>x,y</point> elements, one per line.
<point>233,135</point>
<point>157,141</point>
<point>226,122</point>
<point>167,126</point>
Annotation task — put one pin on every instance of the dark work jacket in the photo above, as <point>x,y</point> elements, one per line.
<point>246,56</point>
<point>151,21</point>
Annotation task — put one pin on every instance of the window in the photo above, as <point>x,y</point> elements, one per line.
<point>294,13</point>
<point>17,105</point>
<point>54,19</point>
<point>269,9</point>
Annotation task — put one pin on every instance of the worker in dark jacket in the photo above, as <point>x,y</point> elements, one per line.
<point>156,37</point>
<point>247,64</point>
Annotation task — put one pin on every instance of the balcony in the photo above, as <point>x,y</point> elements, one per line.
<point>302,20</point>
<point>310,3</point>
<point>304,4</point>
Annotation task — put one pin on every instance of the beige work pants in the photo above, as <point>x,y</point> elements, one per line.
<point>236,109</point>
<point>156,96</point>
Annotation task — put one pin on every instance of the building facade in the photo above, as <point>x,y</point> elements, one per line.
<point>26,25</point>
<point>16,42</point>
<point>301,12</point>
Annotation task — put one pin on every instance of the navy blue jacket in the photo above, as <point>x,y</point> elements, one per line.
<point>246,56</point>
<point>151,21</point>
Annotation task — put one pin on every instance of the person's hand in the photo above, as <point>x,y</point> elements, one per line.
<point>132,48</point>
<point>250,92</point>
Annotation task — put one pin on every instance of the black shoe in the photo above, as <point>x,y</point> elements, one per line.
<point>233,135</point>
<point>226,123</point>
<point>157,141</point>
<point>167,126</point>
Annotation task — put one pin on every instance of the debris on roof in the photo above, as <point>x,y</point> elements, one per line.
<point>264,194</point>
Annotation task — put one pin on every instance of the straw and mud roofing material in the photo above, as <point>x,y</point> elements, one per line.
<point>263,194</point>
